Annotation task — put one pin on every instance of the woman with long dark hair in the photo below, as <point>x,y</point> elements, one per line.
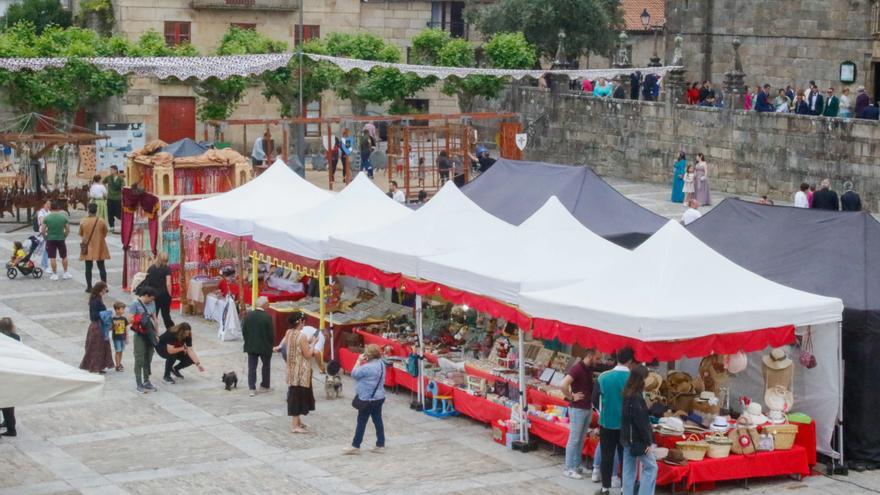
<point>159,278</point>
<point>636,436</point>
<point>98,356</point>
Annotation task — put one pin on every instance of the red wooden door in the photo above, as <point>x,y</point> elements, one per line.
<point>177,118</point>
<point>509,130</point>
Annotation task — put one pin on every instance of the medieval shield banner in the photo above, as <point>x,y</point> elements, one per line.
<point>521,140</point>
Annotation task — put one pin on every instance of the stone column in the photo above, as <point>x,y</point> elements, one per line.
<point>733,81</point>
<point>621,61</point>
<point>558,82</point>
<point>673,82</point>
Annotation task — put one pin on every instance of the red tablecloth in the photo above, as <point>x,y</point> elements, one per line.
<point>478,408</point>
<point>760,465</point>
<point>668,474</point>
<point>407,381</point>
<point>557,434</point>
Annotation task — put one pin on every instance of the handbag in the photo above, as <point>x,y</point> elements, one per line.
<point>84,246</point>
<point>744,439</point>
<point>807,358</point>
<point>359,404</point>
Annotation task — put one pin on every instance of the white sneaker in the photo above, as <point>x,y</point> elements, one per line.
<point>573,474</point>
<point>615,482</point>
<point>351,451</point>
<point>596,477</point>
<point>67,276</point>
<point>54,277</point>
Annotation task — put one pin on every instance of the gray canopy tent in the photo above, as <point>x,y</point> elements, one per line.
<point>512,190</point>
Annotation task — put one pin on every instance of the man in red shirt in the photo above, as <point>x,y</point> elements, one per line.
<point>577,386</point>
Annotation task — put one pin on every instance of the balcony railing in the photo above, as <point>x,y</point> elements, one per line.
<point>277,5</point>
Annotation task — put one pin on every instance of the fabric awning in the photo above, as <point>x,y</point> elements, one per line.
<point>359,207</point>
<point>30,377</point>
<point>277,191</point>
<point>676,297</point>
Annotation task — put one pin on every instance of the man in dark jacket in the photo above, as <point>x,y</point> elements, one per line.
<point>762,103</point>
<point>825,198</point>
<point>258,333</point>
<point>862,101</point>
<point>850,200</point>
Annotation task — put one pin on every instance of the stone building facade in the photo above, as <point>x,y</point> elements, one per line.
<point>783,41</point>
<point>747,152</point>
<point>203,23</point>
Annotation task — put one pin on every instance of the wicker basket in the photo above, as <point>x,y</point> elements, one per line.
<point>694,448</point>
<point>783,435</point>
<point>719,446</point>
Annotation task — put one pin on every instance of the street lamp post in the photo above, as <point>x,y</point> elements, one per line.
<point>300,127</point>
<point>646,23</point>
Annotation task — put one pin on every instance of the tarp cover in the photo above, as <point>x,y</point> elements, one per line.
<point>550,249</point>
<point>448,222</point>
<point>512,190</point>
<point>674,289</point>
<point>185,147</point>
<point>835,254</point>
<point>275,192</point>
<point>359,207</point>
<point>30,377</point>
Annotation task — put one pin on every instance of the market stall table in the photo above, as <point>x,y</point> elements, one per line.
<point>740,467</point>
<point>348,358</point>
<point>279,321</point>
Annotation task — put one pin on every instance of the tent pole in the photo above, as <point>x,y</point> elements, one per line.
<point>840,389</point>
<point>419,331</point>
<point>523,399</point>
<point>330,323</point>
<point>255,266</point>
<point>322,308</point>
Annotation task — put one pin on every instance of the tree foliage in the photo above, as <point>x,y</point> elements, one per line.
<point>379,85</point>
<point>504,51</point>
<point>96,15</point>
<point>220,97</point>
<point>283,83</point>
<point>40,13</point>
<point>590,26</point>
<point>63,90</point>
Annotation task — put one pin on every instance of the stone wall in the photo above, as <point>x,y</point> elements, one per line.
<point>783,41</point>
<point>747,152</point>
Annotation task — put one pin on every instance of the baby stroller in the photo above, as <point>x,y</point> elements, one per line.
<point>24,265</point>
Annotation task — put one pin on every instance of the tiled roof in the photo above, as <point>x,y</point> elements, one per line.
<point>632,12</point>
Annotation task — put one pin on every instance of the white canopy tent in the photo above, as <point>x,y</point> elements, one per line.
<point>676,298</point>
<point>31,377</point>
<point>361,206</point>
<point>549,249</point>
<point>277,191</point>
<point>450,221</point>
<point>674,287</point>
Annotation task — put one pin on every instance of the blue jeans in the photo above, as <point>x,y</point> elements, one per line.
<point>374,411</point>
<point>367,166</point>
<point>597,460</point>
<point>647,473</point>
<point>579,423</point>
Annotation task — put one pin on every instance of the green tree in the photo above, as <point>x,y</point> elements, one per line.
<point>379,85</point>
<point>96,15</point>
<point>63,90</point>
<point>218,98</point>
<point>590,26</point>
<point>504,51</point>
<point>283,83</point>
<point>152,44</point>
<point>40,13</point>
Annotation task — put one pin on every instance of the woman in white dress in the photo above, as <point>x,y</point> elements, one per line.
<point>98,195</point>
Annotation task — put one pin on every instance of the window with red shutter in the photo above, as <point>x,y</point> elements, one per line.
<point>310,31</point>
<point>177,32</point>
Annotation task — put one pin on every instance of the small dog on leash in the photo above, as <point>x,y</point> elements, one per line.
<point>230,380</point>
<point>332,380</point>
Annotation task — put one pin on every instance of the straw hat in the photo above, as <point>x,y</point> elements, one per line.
<point>754,414</point>
<point>675,457</point>
<point>736,363</point>
<point>671,426</point>
<point>707,396</point>
<point>778,398</point>
<point>653,382</point>
<point>777,359</point>
<point>720,424</point>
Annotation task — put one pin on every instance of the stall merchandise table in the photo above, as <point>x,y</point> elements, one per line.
<point>738,467</point>
<point>279,320</point>
<point>806,438</point>
<point>347,360</point>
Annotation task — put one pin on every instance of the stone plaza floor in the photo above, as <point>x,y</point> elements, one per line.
<point>196,438</point>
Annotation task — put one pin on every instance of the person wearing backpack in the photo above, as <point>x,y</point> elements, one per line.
<point>369,375</point>
<point>142,315</point>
